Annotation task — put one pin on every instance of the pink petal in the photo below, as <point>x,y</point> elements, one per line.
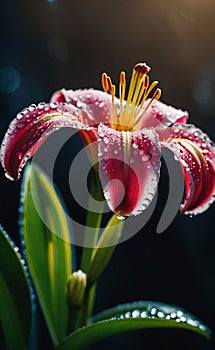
<point>30,129</point>
<point>159,116</point>
<point>95,103</point>
<point>129,164</point>
<point>196,154</point>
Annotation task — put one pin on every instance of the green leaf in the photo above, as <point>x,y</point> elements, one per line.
<point>134,316</point>
<point>48,251</point>
<point>15,296</point>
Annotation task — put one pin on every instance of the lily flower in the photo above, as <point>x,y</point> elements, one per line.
<point>127,135</point>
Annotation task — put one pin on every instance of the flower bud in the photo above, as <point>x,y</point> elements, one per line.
<point>76,288</point>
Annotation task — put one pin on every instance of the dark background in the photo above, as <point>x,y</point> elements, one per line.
<point>46,45</point>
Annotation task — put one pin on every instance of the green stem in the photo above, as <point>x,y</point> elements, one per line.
<point>93,220</point>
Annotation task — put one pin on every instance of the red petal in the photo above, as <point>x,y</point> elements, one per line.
<point>159,115</point>
<point>30,129</point>
<point>196,154</point>
<point>95,103</point>
<point>129,164</point>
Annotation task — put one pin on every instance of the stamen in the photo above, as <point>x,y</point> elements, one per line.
<point>105,82</point>
<point>122,88</point>
<point>155,83</point>
<point>109,87</point>
<point>139,90</point>
<point>155,96</point>
<point>145,85</point>
<point>142,68</point>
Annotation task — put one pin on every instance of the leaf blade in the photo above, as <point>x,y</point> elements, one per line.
<point>118,321</point>
<point>49,256</point>
<point>15,296</point>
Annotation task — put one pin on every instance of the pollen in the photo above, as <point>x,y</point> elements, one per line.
<point>132,108</point>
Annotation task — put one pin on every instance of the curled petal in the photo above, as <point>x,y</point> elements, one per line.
<point>196,154</point>
<point>160,116</point>
<point>95,103</point>
<point>129,165</point>
<point>31,127</point>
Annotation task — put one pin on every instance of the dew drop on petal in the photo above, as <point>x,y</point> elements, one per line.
<point>116,152</point>
<point>106,140</point>
<point>32,107</point>
<point>19,155</point>
<point>9,177</point>
<point>21,125</point>
<point>53,105</point>
<point>19,115</point>
<point>41,105</point>
<point>132,160</point>
<point>146,157</point>
<point>135,145</point>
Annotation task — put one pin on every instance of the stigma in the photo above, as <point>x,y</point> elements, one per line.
<point>132,108</point>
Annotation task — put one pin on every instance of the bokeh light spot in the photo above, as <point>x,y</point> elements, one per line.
<point>9,79</point>
<point>202,92</point>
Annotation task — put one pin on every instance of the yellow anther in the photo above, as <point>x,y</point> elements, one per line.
<point>112,90</point>
<point>122,78</point>
<point>141,68</point>
<point>105,82</point>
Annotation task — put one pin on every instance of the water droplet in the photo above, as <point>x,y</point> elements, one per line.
<point>153,311</point>
<point>173,315</point>
<point>119,217</point>
<point>21,125</point>
<point>116,152</point>
<point>132,160</point>
<point>193,323</point>
<point>9,177</point>
<point>106,140</point>
<point>32,107</point>
<point>16,249</point>
<point>144,314</point>
<point>160,314</point>
<point>136,313</point>
<point>127,314</point>
<point>41,105</point>
<point>135,145</point>
<point>146,157</point>
<point>19,155</point>
<point>53,105</point>
<point>179,313</point>
<point>183,319</point>
<point>19,115</point>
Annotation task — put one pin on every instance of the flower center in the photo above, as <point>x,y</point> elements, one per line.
<point>131,111</point>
